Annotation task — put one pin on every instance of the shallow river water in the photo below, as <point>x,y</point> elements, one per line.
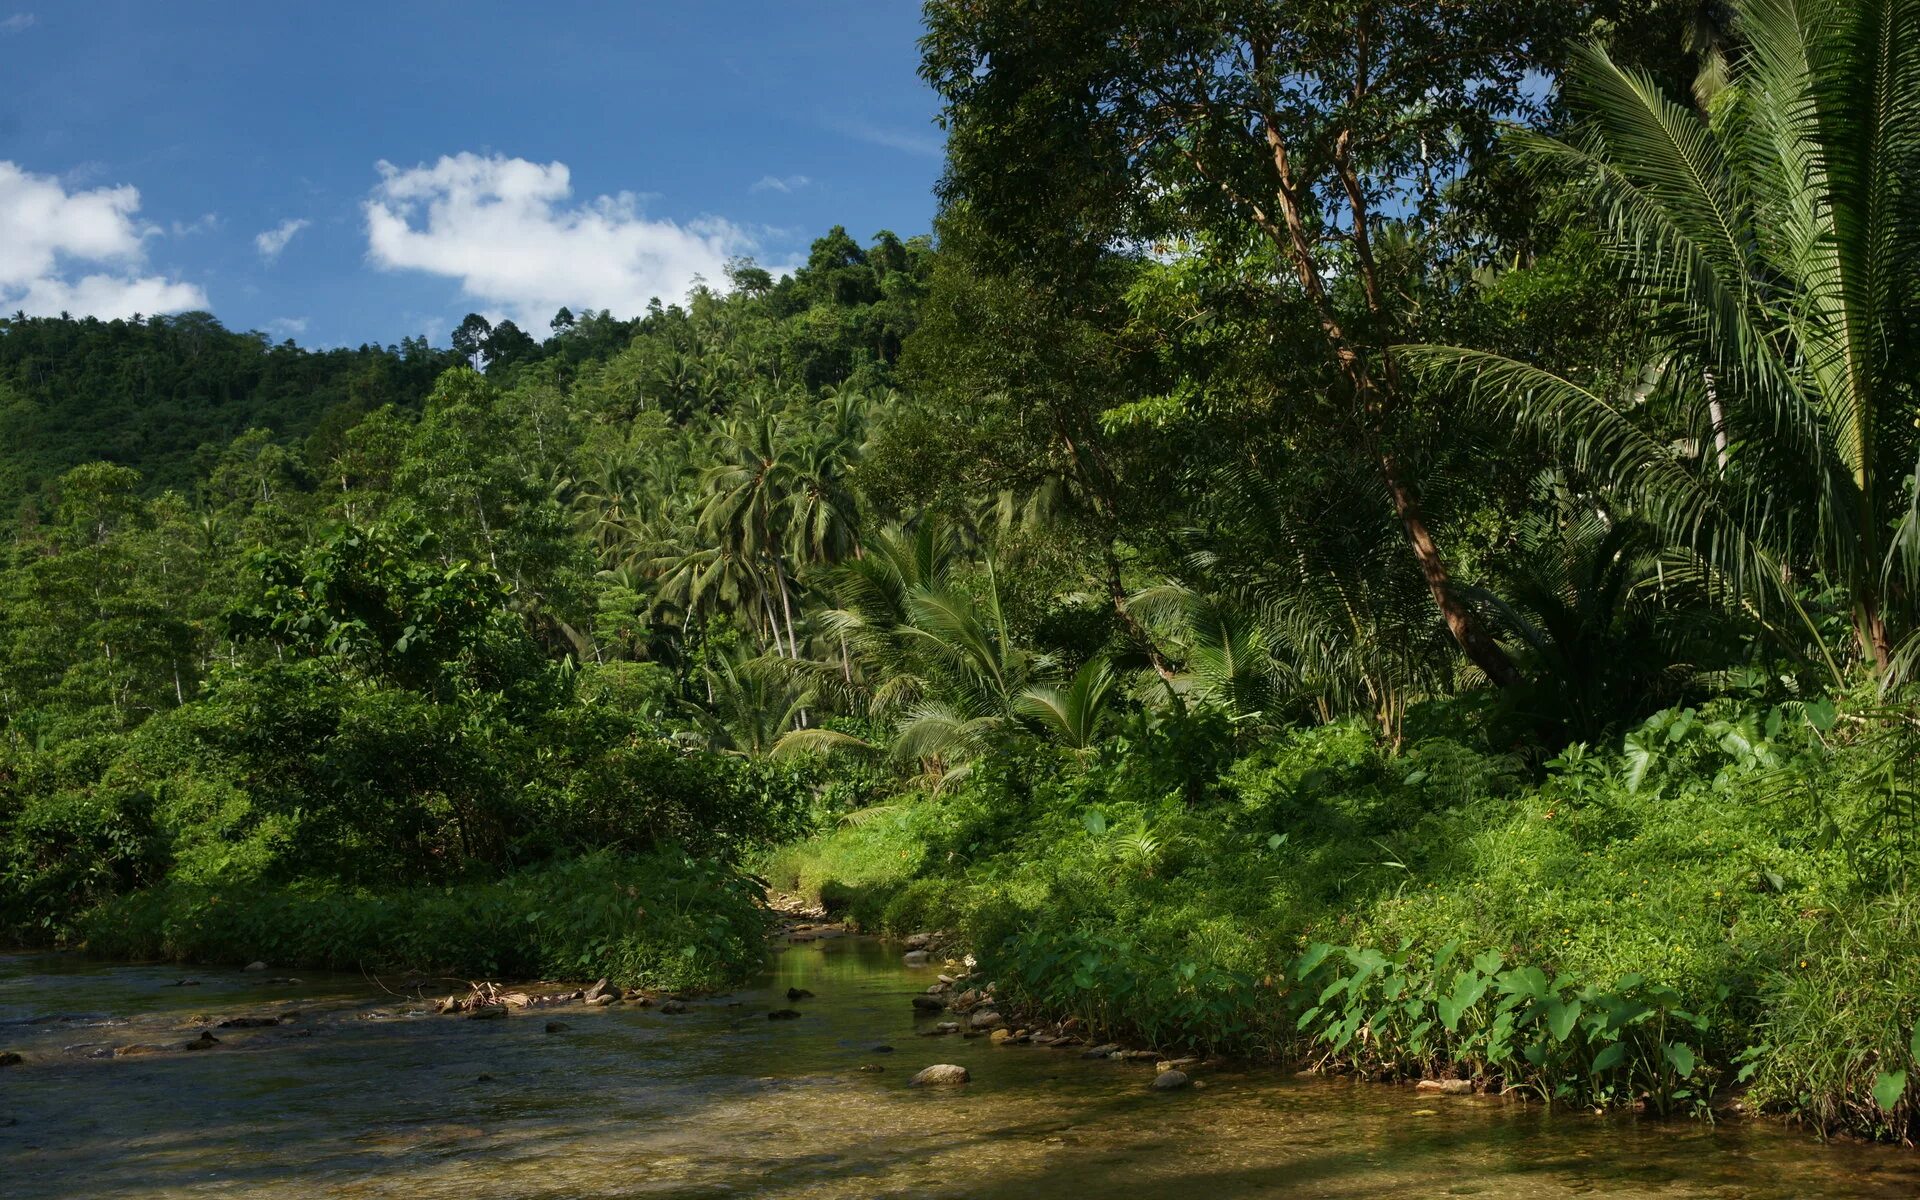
<point>364,1095</point>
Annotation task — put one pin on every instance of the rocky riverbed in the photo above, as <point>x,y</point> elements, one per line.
<point>276,1083</point>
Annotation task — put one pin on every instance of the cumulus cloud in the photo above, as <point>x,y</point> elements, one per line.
<point>507,230</point>
<point>18,23</point>
<point>270,242</point>
<point>780,183</point>
<point>78,252</point>
<point>287,327</point>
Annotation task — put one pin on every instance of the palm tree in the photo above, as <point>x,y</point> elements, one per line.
<point>1777,244</point>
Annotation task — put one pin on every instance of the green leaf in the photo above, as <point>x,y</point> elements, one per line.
<point>1681,1056</point>
<point>1888,1087</point>
<point>1609,1058</point>
<point>1561,1018</point>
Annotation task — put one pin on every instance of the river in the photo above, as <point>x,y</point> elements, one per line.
<point>364,1094</point>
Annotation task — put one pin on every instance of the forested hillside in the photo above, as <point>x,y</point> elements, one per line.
<point>1332,550</point>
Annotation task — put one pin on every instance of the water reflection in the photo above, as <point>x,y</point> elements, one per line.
<point>720,1101</point>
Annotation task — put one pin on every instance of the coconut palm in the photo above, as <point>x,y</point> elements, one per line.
<point>1777,245</point>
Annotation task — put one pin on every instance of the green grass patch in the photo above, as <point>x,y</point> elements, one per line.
<point>660,921</point>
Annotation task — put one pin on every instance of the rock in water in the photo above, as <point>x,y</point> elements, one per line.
<point>11,1058</point>
<point>557,1026</point>
<point>939,1074</point>
<point>672,1007</point>
<point>986,1019</point>
<point>1446,1087</point>
<point>782,1014</point>
<point>255,966</point>
<point>249,1022</point>
<point>206,1041</point>
<point>929,1003</point>
<point>919,941</point>
<point>1170,1081</point>
<point>600,989</point>
<point>915,958</point>
<point>796,993</point>
<point>487,1012</point>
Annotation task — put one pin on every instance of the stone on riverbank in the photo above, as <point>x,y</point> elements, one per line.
<point>255,966</point>
<point>1446,1087</point>
<point>929,1004</point>
<point>986,1019</point>
<point>939,1075</point>
<point>488,1012</point>
<point>1170,1081</point>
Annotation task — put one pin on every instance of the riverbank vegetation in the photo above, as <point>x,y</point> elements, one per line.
<point>1406,562</point>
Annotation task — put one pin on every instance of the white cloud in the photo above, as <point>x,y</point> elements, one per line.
<point>270,242</point>
<point>504,228</point>
<point>287,327</point>
<point>780,183</point>
<point>18,23</point>
<point>924,145</point>
<point>52,233</point>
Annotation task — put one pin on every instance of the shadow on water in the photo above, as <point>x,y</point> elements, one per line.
<point>720,1101</point>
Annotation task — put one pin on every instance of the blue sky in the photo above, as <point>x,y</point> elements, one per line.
<point>349,172</point>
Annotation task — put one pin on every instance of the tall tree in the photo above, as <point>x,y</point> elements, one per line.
<point>1777,242</point>
<point>1310,128</point>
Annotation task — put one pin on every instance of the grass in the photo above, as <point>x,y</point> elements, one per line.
<point>663,921</point>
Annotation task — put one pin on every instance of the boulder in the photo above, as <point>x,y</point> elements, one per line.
<point>673,1007</point>
<point>986,1018</point>
<point>602,988</point>
<point>488,1012</point>
<point>799,993</point>
<point>1170,1081</point>
<point>1446,1087</point>
<point>919,941</point>
<point>206,1041</point>
<point>915,958</point>
<point>947,1027</point>
<point>1106,1051</point>
<point>929,1004</point>
<point>939,1075</point>
<point>602,1000</point>
<point>1002,1036</point>
<point>517,1000</point>
<point>255,966</point>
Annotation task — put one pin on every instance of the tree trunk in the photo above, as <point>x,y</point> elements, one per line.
<point>1482,650</point>
<point>1871,628</point>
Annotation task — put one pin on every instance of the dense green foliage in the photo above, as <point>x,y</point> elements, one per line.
<point>1335,552</point>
